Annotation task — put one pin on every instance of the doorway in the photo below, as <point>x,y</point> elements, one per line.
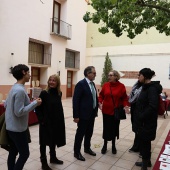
<point>69,83</point>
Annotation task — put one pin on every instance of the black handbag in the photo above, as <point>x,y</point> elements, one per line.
<point>119,112</point>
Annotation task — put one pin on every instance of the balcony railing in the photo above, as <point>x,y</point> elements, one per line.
<point>61,28</point>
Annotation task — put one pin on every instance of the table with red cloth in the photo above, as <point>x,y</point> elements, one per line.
<point>157,163</point>
<point>32,116</point>
<point>163,107</point>
<point>167,103</point>
<point>2,109</point>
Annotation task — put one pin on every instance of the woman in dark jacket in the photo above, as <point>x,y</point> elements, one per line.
<point>136,89</point>
<point>51,121</point>
<point>146,113</point>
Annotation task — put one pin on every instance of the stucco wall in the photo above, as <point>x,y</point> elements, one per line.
<point>133,58</point>
<point>21,20</point>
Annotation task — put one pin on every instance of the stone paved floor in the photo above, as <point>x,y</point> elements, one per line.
<point>123,160</point>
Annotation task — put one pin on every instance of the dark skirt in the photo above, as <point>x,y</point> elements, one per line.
<point>110,127</point>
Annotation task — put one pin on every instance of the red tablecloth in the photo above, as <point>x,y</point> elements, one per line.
<point>167,103</point>
<point>163,107</point>
<point>2,109</point>
<point>157,163</point>
<point>32,116</point>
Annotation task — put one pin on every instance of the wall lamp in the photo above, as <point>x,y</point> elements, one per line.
<point>10,69</point>
<point>58,72</point>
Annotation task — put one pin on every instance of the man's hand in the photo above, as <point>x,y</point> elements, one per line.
<point>76,120</point>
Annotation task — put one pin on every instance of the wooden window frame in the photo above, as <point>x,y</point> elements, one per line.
<point>53,20</point>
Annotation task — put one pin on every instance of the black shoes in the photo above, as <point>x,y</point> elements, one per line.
<point>56,161</point>
<point>45,167</point>
<point>114,151</point>
<point>140,164</point>
<point>104,149</point>
<point>44,164</point>
<point>79,156</point>
<point>90,152</point>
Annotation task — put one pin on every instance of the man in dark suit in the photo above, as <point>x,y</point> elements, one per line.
<point>85,107</point>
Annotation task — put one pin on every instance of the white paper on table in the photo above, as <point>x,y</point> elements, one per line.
<point>166,151</point>
<point>167,146</point>
<point>164,158</point>
<point>164,166</point>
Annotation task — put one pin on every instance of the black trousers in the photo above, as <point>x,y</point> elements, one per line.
<point>136,144</point>
<point>84,129</point>
<point>18,144</point>
<point>145,149</point>
<point>43,151</point>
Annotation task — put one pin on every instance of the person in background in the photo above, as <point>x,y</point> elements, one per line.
<point>164,95</point>
<point>146,114</point>
<point>134,94</point>
<point>85,108</point>
<point>51,121</point>
<point>110,124</point>
<point>18,107</point>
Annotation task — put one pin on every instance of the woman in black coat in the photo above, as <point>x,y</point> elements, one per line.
<point>51,121</point>
<point>136,89</point>
<point>146,114</point>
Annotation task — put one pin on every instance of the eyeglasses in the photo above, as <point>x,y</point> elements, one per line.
<point>110,75</point>
<point>93,73</point>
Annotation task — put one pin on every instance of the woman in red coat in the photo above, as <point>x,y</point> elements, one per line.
<point>113,88</point>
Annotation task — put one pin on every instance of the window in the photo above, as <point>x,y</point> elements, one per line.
<point>59,26</point>
<point>56,17</point>
<point>36,52</point>
<point>70,59</point>
<point>39,52</point>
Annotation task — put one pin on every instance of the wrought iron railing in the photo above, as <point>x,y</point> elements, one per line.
<point>61,28</point>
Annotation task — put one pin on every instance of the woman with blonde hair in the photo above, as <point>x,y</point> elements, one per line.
<point>51,121</point>
<point>112,95</point>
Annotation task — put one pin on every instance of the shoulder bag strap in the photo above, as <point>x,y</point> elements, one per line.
<point>112,97</point>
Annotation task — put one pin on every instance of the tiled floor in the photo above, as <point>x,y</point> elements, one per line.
<point>123,160</point>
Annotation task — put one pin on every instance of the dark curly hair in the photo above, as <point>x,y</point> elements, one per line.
<point>17,71</point>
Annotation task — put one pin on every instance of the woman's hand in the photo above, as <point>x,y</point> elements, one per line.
<point>100,106</point>
<point>127,109</point>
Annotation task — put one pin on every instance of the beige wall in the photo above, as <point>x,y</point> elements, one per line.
<point>131,61</point>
